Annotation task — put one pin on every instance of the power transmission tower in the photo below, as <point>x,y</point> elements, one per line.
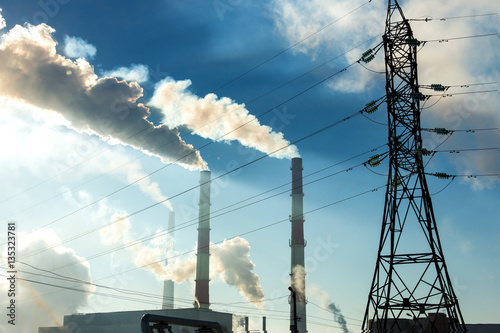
<point>411,289</point>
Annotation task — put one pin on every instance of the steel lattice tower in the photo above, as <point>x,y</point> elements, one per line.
<point>411,289</point>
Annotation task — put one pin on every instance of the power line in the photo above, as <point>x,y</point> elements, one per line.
<point>429,19</point>
<point>291,47</point>
<point>445,40</point>
<point>227,83</point>
<point>248,232</point>
<point>229,172</point>
<point>163,145</point>
<point>212,216</point>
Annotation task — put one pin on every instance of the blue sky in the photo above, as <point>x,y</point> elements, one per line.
<point>182,62</point>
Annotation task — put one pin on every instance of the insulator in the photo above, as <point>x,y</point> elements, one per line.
<point>413,42</point>
<point>374,157</point>
<point>368,58</point>
<point>371,109</point>
<point>372,103</point>
<point>442,131</point>
<point>418,95</point>
<point>423,151</point>
<point>366,53</point>
<point>397,183</point>
<point>374,163</point>
<point>437,87</point>
<point>442,175</point>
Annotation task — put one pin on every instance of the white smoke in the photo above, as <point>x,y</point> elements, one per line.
<point>327,303</point>
<point>298,279</point>
<point>33,73</point>
<point>212,117</point>
<point>228,260</point>
<point>231,263</point>
<point>65,159</point>
<point>39,304</point>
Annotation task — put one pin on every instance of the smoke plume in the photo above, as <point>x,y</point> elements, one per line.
<point>298,279</point>
<point>40,304</point>
<point>326,302</point>
<point>66,158</point>
<point>212,117</point>
<point>338,316</point>
<point>228,260</point>
<point>33,73</point>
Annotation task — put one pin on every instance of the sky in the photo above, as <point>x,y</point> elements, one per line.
<point>110,109</point>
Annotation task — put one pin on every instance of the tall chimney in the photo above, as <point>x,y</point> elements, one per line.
<point>297,245</point>
<point>168,285</point>
<point>203,255</point>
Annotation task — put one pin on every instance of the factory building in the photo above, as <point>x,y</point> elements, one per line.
<point>130,321</point>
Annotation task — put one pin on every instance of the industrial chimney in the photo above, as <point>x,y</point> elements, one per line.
<point>203,254</point>
<point>168,285</point>
<point>297,245</point>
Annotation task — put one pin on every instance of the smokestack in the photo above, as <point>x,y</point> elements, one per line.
<point>168,285</point>
<point>297,245</point>
<point>246,325</point>
<point>264,328</point>
<point>203,255</point>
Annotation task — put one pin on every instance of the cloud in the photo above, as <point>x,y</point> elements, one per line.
<point>33,73</point>
<point>73,159</point>
<point>212,117</point>
<point>448,63</point>
<point>76,47</point>
<point>3,24</point>
<point>40,304</point>
<point>137,73</point>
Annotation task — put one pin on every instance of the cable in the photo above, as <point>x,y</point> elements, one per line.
<point>428,19</point>
<point>457,151</point>
<point>227,83</point>
<point>215,140</point>
<point>444,188</point>
<point>445,40</point>
<point>224,174</point>
<point>163,145</point>
<point>215,243</point>
<point>445,131</point>
<point>214,216</point>
<point>289,48</point>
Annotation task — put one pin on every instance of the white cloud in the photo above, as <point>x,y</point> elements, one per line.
<point>76,47</point>
<point>3,24</point>
<point>38,303</point>
<point>448,63</point>
<point>137,72</point>
<point>20,132</point>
